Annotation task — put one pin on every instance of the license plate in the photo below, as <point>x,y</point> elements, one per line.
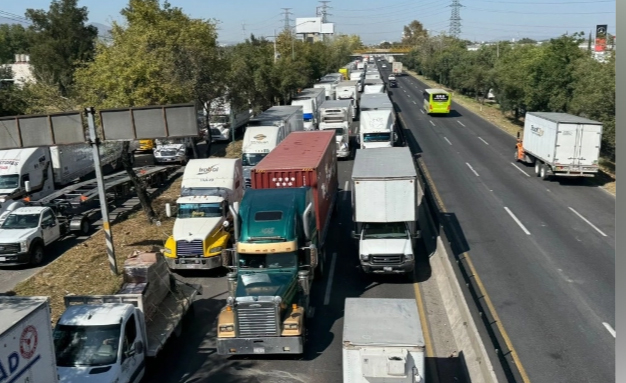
<point>387,268</point>
<point>2,259</point>
<point>258,350</point>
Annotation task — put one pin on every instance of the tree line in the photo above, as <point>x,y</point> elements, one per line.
<point>554,76</point>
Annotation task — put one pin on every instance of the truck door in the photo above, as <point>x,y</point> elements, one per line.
<point>589,144</point>
<point>567,148</point>
<point>133,356</point>
<point>50,227</point>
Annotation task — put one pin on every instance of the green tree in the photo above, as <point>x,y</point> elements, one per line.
<point>414,33</point>
<point>12,100</point>
<point>13,41</point>
<point>59,41</point>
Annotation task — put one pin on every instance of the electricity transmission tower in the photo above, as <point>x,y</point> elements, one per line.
<point>455,19</point>
<point>287,19</point>
<point>322,11</point>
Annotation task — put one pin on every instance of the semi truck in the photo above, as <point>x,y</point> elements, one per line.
<point>377,121</point>
<point>349,90</point>
<point>258,142</point>
<point>560,144</point>
<point>396,68</point>
<point>291,118</point>
<point>281,230</point>
<point>224,119</point>
<point>203,225</point>
<point>374,86</point>
<point>310,99</point>
<point>109,338</point>
<point>384,207</point>
<point>336,115</point>
<point>48,169</point>
<point>383,341</point>
<point>27,352</point>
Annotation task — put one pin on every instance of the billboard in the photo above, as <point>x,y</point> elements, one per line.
<point>600,45</point>
<point>308,25</point>
<point>42,130</point>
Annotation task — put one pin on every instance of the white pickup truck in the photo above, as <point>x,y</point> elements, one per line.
<point>27,230</point>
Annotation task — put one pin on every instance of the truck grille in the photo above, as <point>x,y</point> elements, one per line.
<point>189,248</point>
<point>387,259</point>
<point>9,248</point>
<point>257,319</point>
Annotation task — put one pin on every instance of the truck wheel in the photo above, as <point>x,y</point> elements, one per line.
<point>544,172</point>
<point>36,253</point>
<point>537,168</point>
<point>85,226</point>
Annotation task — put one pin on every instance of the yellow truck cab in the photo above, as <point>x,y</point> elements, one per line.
<point>145,145</point>
<point>204,222</point>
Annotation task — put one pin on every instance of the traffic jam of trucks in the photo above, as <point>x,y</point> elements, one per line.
<point>264,218</point>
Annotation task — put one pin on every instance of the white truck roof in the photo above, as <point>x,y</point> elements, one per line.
<point>260,139</point>
<point>94,315</point>
<point>273,114</point>
<point>373,101</point>
<point>385,163</point>
<point>29,210</point>
<point>13,309</point>
<point>308,93</point>
<point>10,159</point>
<point>351,83</point>
<point>376,120</point>
<point>210,172</point>
<point>328,104</point>
<point>382,322</point>
<point>564,118</point>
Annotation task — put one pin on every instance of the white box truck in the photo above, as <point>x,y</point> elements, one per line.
<point>224,119</point>
<point>287,116</point>
<point>203,225</point>
<point>374,86</point>
<point>26,343</point>
<point>310,99</point>
<point>336,115</point>
<point>383,341</point>
<point>258,142</point>
<point>357,75</point>
<point>560,144</point>
<point>396,68</point>
<point>384,205</point>
<point>377,121</point>
<point>348,90</point>
<point>329,86</point>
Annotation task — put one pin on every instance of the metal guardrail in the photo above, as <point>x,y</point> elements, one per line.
<point>470,286</point>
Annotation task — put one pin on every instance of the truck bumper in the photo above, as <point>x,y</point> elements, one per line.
<point>195,263</point>
<point>260,346</point>
<point>15,259</point>
<point>403,268</point>
<point>162,160</point>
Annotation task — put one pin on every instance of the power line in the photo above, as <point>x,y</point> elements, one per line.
<point>455,19</point>
<point>539,13</point>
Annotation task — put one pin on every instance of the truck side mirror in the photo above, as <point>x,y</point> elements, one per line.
<point>139,347</point>
<point>354,235</point>
<point>27,185</point>
<point>168,210</point>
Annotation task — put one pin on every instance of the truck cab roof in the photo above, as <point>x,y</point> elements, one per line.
<point>29,210</point>
<point>95,315</point>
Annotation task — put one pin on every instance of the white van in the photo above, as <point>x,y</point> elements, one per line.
<point>258,141</point>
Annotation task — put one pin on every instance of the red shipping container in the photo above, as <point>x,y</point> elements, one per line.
<point>303,159</point>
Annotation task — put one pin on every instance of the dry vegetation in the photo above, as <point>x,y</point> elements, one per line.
<point>492,113</point>
<point>84,269</point>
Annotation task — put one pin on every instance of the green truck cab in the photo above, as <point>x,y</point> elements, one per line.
<point>274,262</point>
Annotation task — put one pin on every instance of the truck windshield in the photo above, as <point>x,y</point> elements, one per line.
<point>199,210</point>
<point>384,230</point>
<point>252,159</point>
<point>86,345</point>
<point>217,119</point>
<point>9,181</point>
<point>377,137</point>
<point>268,261</point>
<point>21,221</point>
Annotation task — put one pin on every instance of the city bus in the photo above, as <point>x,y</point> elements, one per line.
<point>437,101</point>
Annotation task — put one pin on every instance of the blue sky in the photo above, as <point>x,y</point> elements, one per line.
<point>378,20</point>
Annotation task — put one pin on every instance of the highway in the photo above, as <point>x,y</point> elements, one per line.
<point>545,250</point>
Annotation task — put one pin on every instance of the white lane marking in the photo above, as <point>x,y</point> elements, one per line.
<point>609,328</point>
<point>345,189</point>
<point>483,141</point>
<point>329,285</point>
<point>415,102</point>
<point>586,220</point>
<point>472,169</point>
<point>408,95</point>
<point>518,168</point>
<point>446,138</point>
<point>432,123</point>
<point>517,220</point>
<point>461,123</point>
<point>422,111</point>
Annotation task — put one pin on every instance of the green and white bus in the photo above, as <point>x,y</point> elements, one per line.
<point>437,101</point>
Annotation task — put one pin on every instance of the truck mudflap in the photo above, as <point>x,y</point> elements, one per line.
<point>195,263</point>
<point>260,346</point>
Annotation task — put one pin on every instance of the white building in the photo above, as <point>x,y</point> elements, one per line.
<point>21,69</point>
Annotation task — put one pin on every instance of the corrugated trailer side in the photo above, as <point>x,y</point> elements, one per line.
<point>303,159</point>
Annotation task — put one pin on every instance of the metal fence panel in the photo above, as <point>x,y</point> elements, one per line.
<point>41,130</point>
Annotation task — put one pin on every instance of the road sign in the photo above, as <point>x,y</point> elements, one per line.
<point>42,130</point>
<point>149,122</point>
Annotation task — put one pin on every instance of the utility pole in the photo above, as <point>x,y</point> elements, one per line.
<point>287,19</point>
<point>104,209</point>
<point>243,31</point>
<point>275,58</point>
<point>455,19</point>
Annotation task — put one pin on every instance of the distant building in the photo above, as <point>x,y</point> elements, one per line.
<point>21,69</point>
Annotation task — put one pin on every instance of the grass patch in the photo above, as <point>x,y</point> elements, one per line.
<point>505,121</point>
<point>84,269</point>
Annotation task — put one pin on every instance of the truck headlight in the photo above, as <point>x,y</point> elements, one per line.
<point>291,326</point>
<point>215,249</point>
<point>24,246</point>
<point>227,328</point>
<point>365,257</point>
<point>408,257</point>
<point>167,250</point>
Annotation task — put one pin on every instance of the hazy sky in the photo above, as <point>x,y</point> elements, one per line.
<point>377,20</point>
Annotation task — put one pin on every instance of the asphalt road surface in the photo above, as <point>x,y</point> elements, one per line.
<point>545,250</point>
